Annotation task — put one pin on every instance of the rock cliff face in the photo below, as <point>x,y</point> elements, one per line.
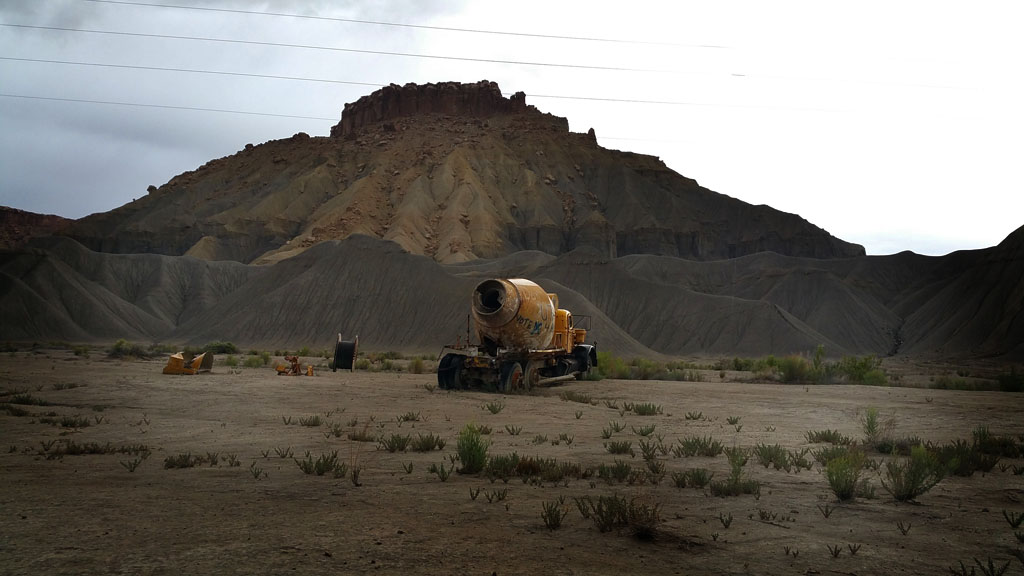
<point>478,100</point>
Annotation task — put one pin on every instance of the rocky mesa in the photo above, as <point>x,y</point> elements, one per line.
<point>450,171</point>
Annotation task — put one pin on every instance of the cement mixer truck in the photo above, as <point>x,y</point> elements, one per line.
<point>523,339</point>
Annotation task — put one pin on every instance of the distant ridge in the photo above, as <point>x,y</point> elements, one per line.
<point>964,305</point>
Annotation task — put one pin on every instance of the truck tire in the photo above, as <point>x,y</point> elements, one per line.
<point>449,372</point>
<point>531,374</point>
<point>511,381</point>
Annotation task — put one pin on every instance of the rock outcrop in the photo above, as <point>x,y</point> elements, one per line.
<point>478,100</point>
<point>18,226</point>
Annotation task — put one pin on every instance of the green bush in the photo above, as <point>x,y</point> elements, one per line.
<point>843,474</point>
<point>912,478</point>
<point>858,368</point>
<point>875,377</point>
<point>252,362</point>
<point>231,361</point>
<point>609,366</point>
<point>795,368</point>
<point>472,450</point>
<point>772,455</point>
<point>962,458</point>
<point>736,484</point>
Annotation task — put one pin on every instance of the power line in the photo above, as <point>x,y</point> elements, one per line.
<point>190,71</point>
<point>355,83</point>
<point>163,106</point>
<point>465,59</point>
<point>337,49</point>
<point>402,25</point>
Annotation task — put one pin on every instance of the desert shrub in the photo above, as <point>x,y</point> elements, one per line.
<point>472,450</point>
<point>843,474</point>
<point>26,399</point>
<point>619,471</point>
<point>736,483</point>
<point>427,442</point>
<point>362,364</point>
<point>323,464</point>
<point>643,369</point>
<point>647,409</point>
<point>827,436</point>
<point>765,367</point>
<point>609,366</point>
<point>610,512</point>
<point>871,425</point>
<point>772,455</point>
<point>395,442</point>
<point>858,368</point>
<point>898,446</point>
<point>742,364</point>
<point>913,477</point>
<point>795,368</point>
<point>416,365</point>
<point>252,362</point>
<point>312,420</point>
<point>186,460</point>
<point>502,467</point>
<point>697,446</point>
<point>693,478</point>
<point>1012,381</point>
<point>231,361</point>
<point>124,349</point>
<point>304,351</point>
<point>989,443</point>
<point>218,347</point>
<point>875,377</point>
<point>553,513</point>
<point>963,458</point>
<point>828,453</point>
<point>619,447</point>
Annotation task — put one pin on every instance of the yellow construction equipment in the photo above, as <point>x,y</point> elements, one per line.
<point>186,363</point>
<point>524,340</point>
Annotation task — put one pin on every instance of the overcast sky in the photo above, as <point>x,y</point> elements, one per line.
<point>896,125</point>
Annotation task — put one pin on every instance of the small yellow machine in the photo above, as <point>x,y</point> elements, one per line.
<point>293,368</point>
<point>186,363</point>
<point>525,340</point>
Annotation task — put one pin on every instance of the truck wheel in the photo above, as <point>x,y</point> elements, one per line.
<point>531,374</point>
<point>512,378</point>
<point>449,372</point>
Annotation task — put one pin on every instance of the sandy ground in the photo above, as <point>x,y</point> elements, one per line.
<point>89,514</point>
